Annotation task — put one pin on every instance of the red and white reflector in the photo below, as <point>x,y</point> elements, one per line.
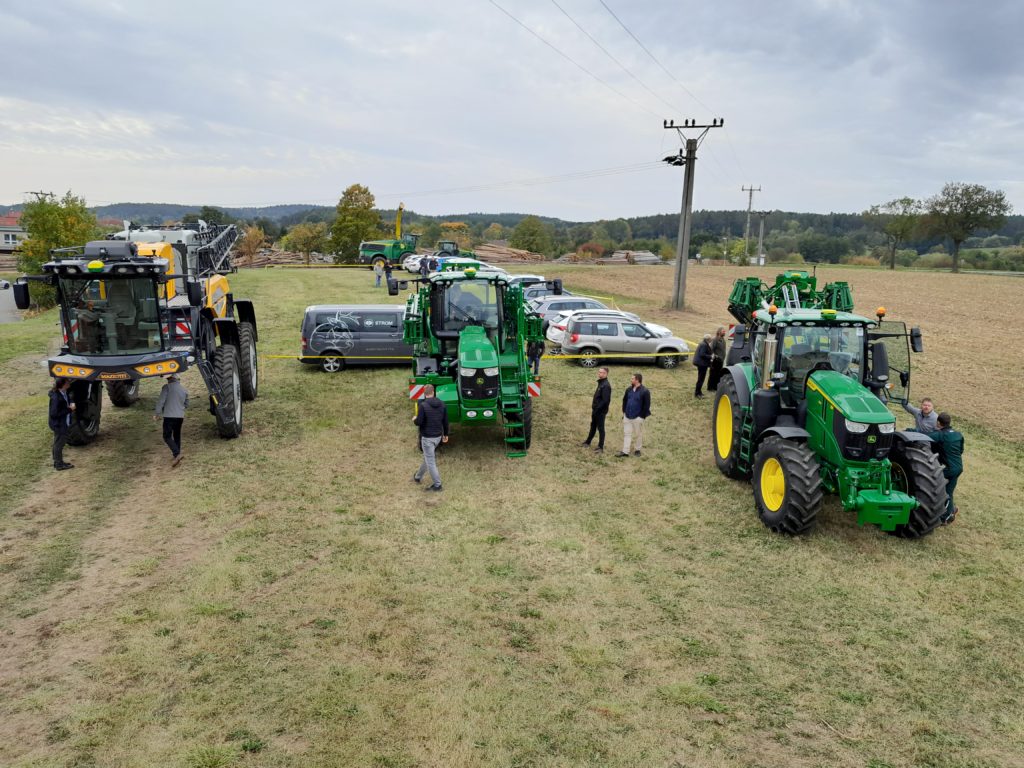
<point>416,391</point>
<point>533,389</point>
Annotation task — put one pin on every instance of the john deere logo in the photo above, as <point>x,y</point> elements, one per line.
<point>872,439</point>
<point>480,380</point>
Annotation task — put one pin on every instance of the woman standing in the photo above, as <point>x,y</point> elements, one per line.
<point>61,409</point>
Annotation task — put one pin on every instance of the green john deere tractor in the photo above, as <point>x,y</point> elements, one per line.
<point>469,330</point>
<point>801,409</point>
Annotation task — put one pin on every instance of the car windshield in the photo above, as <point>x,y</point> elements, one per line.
<point>108,316</point>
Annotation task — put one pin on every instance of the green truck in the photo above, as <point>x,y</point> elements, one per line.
<point>469,331</point>
<point>801,409</point>
<point>374,252</point>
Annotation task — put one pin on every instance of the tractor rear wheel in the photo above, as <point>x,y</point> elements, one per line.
<point>85,421</point>
<point>247,362</point>
<point>123,393</point>
<point>726,428</point>
<point>787,486</point>
<point>916,471</point>
<point>229,382</point>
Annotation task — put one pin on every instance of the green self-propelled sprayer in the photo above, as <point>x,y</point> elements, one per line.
<point>468,330</point>
<point>801,409</point>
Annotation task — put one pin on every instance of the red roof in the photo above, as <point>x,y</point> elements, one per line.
<point>10,219</point>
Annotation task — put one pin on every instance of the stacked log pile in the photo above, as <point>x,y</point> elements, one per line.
<point>503,254</point>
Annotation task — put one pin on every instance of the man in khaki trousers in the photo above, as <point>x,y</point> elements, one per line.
<point>636,406</point>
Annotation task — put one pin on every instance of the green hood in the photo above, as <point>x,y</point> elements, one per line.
<point>850,398</point>
<point>475,349</point>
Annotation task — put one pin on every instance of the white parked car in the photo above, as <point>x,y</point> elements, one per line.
<point>412,262</point>
<point>556,328</point>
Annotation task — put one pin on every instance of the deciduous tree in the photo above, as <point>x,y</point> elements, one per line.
<point>250,242</point>
<point>306,238</point>
<point>356,220</point>
<point>897,220</point>
<point>53,223</point>
<point>961,209</point>
<point>530,234</point>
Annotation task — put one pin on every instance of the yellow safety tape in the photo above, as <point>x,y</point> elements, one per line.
<point>318,266</point>
<point>602,356</point>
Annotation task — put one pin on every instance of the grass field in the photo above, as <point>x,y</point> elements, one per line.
<point>290,598</point>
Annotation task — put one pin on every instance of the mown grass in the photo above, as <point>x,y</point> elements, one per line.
<point>292,599</point>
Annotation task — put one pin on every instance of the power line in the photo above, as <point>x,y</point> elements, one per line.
<point>573,61</point>
<point>664,69</point>
<point>621,66</point>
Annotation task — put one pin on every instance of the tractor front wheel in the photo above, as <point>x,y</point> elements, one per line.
<point>85,421</point>
<point>787,486</point>
<point>916,471</point>
<point>247,362</point>
<point>726,428</point>
<point>229,382</point>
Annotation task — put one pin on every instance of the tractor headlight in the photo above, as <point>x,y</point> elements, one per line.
<point>490,371</point>
<point>886,429</point>
<point>469,371</point>
<point>856,427</point>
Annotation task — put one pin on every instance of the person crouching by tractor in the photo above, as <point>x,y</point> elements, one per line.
<point>951,451</point>
<point>61,409</point>
<point>432,419</point>
<point>171,406</point>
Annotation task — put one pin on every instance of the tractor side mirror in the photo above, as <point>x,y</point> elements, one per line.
<point>556,286</point>
<point>904,379</point>
<point>195,293</point>
<point>21,297</point>
<point>394,286</point>
<point>916,340</point>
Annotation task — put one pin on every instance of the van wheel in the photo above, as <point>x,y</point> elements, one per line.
<point>331,364</point>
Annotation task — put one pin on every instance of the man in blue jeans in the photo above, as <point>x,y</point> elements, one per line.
<point>432,419</point>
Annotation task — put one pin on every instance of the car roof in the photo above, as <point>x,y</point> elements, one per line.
<point>354,307</point>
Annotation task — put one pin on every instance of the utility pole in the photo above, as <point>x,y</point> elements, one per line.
<point>746,235</point>
<point>683,237</point>
<point>760,237</point>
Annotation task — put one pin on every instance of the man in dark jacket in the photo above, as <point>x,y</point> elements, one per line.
<point>636,406</point>
<point>951,451</point>
<point>718,358</point>
<point>599,409</point>
<point>432,419</point>
<point>61,409</point>
<point>702,360</point>
<point>534,351</point>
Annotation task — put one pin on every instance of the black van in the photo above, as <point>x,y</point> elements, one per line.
<point>336,335</point>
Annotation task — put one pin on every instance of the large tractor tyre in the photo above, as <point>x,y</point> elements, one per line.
<point>726,428</point>
<point>588,358</point>
<point>247,363</point>
<point>916,471</point>
<point>332,362</point>
<point>527,422</point>
<point>85,421</point>
<point>668,362</point>
<point>787,486</point>
<point>379,260</point>
<point>229,382</point>
<point>123,393</point>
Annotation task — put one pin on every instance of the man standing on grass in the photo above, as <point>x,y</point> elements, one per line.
<point>432,419</point>
<point>171,406</point>
<point>636,406</point>
<point>924,417</point>
<point>599,410</point>
<point>951,451</point>
<point>61,409</point>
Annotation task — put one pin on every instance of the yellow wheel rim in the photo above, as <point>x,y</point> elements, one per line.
<point>773,485</point>
<point>723,427</point>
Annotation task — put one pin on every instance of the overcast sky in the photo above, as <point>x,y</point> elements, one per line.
<point>458,106</point>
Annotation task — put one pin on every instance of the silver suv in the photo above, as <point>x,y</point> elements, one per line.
<point>596,336</point>
<point>548,307</point>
